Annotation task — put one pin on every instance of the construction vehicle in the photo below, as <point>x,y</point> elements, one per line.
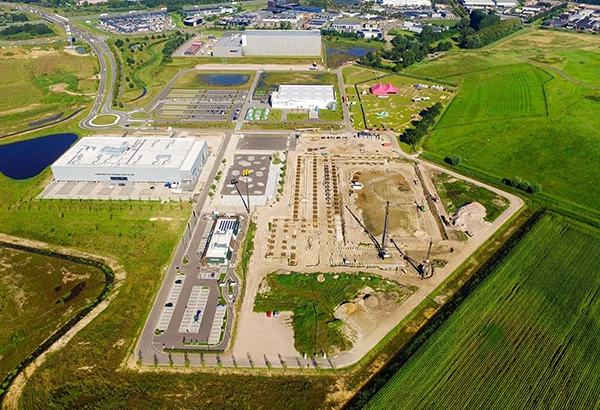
<point>424,269</point>
<point>381,247</point>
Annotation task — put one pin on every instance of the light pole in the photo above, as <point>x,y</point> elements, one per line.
<point>246,173</point>
<point>235,182</point>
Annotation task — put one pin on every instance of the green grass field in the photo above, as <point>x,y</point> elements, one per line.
<point>39,83</point>
<point>316,329</point>
<point>581,64</point>
<point>269,81</point>
<point>400,107</point>
<point>455,193</point>
<point>202,79</point>
<point>104,120</point>
<point>526,338</point>
<point>513,91</point>
<point>38,294</point>
<point>497,121</point>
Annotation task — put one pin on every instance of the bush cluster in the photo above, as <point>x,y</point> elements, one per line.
<point>518,183</point>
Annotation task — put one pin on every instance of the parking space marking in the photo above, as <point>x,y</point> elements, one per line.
<point>215,331</point>
<point>167,313</point>
<point>190,322</point>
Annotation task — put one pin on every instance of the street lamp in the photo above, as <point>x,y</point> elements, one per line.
<point>235,182</point>
<point>246,173</point>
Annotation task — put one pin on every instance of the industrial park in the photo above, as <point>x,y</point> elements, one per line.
<point>298,205</point>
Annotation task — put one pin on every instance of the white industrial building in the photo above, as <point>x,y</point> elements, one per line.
<point>303,43</point>
<point>123,160</point>
<point>313,97</point>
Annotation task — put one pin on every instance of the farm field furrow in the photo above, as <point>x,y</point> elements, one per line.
<point>526,338</point>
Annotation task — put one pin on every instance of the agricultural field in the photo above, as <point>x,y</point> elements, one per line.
<point>39,294</point>
<point>40,82</point>
<point>508,134</point>
<point>394,111</point>
<point>201,79</point>
<point>313,299</point>
<point>512,91</point>
<point>525,338</point>
<point>455,193</point>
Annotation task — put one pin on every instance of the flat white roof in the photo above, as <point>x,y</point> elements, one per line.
<point>305,93</point>
<point>136,152</point>
<point>221,238</point>
<point>479,2</point>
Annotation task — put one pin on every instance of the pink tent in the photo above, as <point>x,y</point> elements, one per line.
<point>381,89</point>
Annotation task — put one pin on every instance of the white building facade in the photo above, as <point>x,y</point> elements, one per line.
<point>124,160</point>
<point>312,97</point>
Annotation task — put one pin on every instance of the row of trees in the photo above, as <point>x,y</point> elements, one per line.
<point>171,46</point>
<point>12,18</point>
<point>412,136</point>
<point>484,28</point>
<point>553,12</point>
<point>518,183</point>
<point>26,30</point>
<point>343,34</point>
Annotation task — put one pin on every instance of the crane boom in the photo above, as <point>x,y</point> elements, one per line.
<point>384,252</point>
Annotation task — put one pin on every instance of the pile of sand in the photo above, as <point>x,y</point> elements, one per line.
<point>468,216</point>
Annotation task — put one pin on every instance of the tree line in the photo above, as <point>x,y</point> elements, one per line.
<point>407,50</point>
<point>26,30</point>
<point>172,45</point>
<point>553,12</point>
<point>482,28</point>
<point>412,136</point>
<point>12,18</point>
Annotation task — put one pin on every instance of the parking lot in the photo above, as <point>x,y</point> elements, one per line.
<point>195,105</point>
<point>258,165</point>
<point>106,190</point>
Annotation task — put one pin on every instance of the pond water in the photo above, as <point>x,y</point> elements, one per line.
<point>224,80</point>
<point>336,55</point>
<point>80,50</point>
<point>26,159</point>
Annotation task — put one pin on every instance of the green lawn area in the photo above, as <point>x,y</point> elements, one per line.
<point>297,116</point>
<point>39,83</point>
<point>400,107</point>
<point>455,193</point>
<point>269,81</point>
<point>239,80</point>
<point>39,294</point>
<point>104,119</point>
<point>525,338</point>
<point>316,329</point>
<point>581,64</point>
<point>497,123</point>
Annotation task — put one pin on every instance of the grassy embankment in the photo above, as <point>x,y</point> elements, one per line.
<point>515,118</point>
<point>42,83</point>
<point>524,338</point>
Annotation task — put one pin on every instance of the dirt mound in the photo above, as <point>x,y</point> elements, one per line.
<point>468,215</point>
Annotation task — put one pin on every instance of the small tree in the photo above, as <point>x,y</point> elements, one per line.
<point>536,188</point>
<point>455,160</point>
<point>516,181</point>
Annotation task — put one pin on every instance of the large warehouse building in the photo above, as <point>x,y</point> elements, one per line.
<point>119,160</point>
<point>303,43</point>
<point>312,97</point>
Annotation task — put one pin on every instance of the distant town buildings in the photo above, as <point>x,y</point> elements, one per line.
<point>137,22</point>
<point>581,18</point>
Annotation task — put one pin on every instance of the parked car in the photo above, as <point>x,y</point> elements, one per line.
<point>169,304</point>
